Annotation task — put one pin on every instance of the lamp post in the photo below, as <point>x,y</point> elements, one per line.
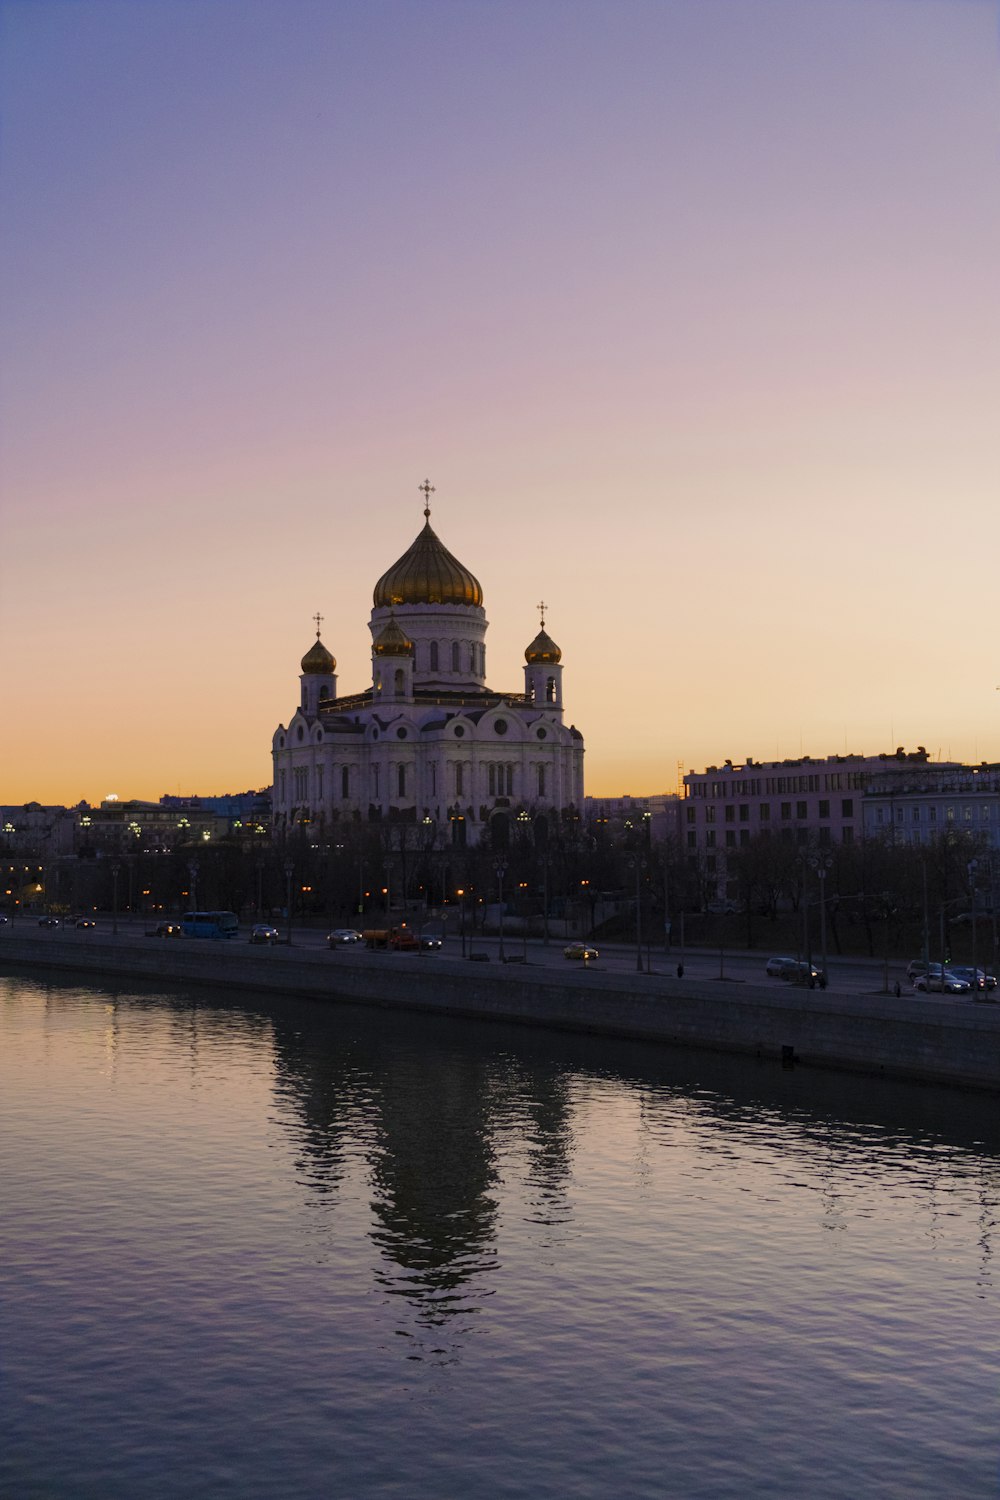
<point>193,881</point>
<point>130,862</point>
<point>545,899</point>
<point>116,870</point>
<point>387,888</point>
<point>638,865</point>
<point>973,871</point>
<point>822,864</point>
<point>500,866</point>
<point>460,893</point>
<point>259,863</point>
<point>289,872</point>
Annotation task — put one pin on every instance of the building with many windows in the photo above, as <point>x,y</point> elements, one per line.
<point>917,804</point>
<point>428,741</point>
<point>804,801</point>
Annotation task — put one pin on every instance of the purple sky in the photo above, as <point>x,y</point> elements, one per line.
<point>689,309</point>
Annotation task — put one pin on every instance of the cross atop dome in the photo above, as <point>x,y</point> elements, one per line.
<point>319,620</point>
<point>542,607</point>
<point>427,490</point>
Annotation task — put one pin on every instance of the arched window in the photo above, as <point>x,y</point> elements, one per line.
<point>434,656</point>
<point>541,781</point>
<point>401,778</point>
<point>324,692</point>
<point>345,782</point>
<point>550,690</point>
<point>399,679</point>
<point>454,656</point>
<point>472,657</point>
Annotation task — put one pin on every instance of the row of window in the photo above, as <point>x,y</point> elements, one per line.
<point>433,655</point>
<point>764,811</point>
<point>499,780</point>
<point>920,812</point>
<point>775,786</point>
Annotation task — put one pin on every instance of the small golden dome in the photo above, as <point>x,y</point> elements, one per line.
<point>318,661</point>
<point>392,640</point>
<point>543,650</point>
<point>427,574</point>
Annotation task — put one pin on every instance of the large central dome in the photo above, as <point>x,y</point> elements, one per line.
<point>427,574</point>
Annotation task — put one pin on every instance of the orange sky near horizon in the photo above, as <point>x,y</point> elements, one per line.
<point>689,312</point>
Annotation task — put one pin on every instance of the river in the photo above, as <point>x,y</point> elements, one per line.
<point>253,1248</point>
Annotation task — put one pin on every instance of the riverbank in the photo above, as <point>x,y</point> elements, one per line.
<point>930,1038</point>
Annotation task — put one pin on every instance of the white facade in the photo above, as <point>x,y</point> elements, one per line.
<point>427,741</point>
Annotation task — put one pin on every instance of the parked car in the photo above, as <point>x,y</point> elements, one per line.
<point>978,978</point>
<point>86,922</point>
<point>779,968</point>
<point>429,941</point>
<point>168,929</point>
<point>580,950</point>
<point>947,983</point>
<point>48,921</point>
<point>343,937</point>
<point>914,967</point>
<point>263,932</point>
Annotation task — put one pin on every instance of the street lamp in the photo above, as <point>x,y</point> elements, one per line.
<point>289,872</point>
<point>193,869</point>
<point>388,867</point>
<point>500,866</point>
<point>115,872</point>
<point>460,893</point>
<point>822,864</point>
<point>973,871</point>
<point>638,865</point>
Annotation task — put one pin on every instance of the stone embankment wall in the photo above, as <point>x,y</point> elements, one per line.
<point>931,1038</point>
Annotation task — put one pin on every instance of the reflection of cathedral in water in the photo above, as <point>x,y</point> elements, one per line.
<point>427,1113</point>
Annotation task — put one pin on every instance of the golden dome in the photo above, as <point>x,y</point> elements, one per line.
<point>392,640</point>
<point>427,574</point>
<point>318,661</point>
<point>543,650</point>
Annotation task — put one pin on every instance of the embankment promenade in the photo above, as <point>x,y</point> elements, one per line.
<point>931,1038</point>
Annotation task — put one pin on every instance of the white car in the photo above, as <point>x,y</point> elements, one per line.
<point>948,984</point>
<point>580,950</point>
<point>780,968</point>
<point>343,937</point>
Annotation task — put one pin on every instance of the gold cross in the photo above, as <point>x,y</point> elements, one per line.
<point>542,607</point>
<point>427,489</point>
<point>319,620</point>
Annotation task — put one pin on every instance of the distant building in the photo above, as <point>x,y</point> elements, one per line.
<point>804,801</point>
<point>661,811</point>
<point>915,804</point>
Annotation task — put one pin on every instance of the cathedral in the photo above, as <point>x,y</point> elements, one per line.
<point>428,741</point>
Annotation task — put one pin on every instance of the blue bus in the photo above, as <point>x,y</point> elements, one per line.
<point>210,924</point>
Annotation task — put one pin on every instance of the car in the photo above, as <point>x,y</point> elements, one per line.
<point>779,968</point>
<point>978,979</point>
<point>802,972</point>
<point>947,984</point>
<point>343,937</point>
<point>168,929</point>
<point>263,932</point>
<point>48,921</point>
<point>429,942</point>
<point>722,908</point>
<point>86,922</point>
<point>914,967</point>
<point>580,950</point>
<point>3,920</point>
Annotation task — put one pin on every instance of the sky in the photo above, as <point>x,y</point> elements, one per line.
<point>689,309</point>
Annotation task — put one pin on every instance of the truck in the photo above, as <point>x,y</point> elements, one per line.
<point>402,939</point>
